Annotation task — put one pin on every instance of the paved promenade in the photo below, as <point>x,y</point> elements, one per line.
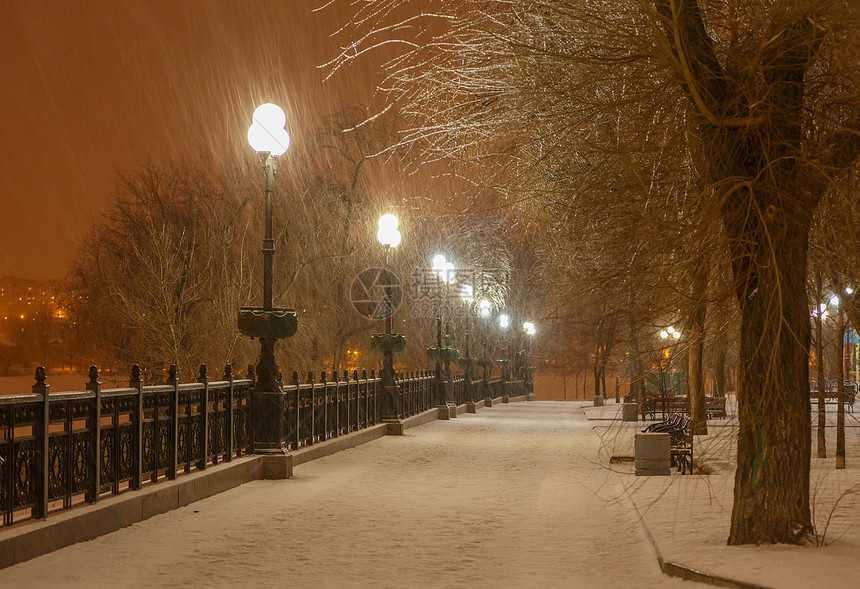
<point>510,497</point>
<point>518,495</point>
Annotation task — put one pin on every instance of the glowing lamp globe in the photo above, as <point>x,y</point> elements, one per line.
<point>389,236</point>
<point>388,221</point>
<point>267,132</point>
<point>504,321</point>
<point>529,328</point>
<point>467,294</point>
<point>484,306</point>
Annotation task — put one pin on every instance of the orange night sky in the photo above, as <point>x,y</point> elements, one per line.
<point>93,88</point>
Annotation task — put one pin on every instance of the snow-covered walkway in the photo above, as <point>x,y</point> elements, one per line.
<point>514,496</point>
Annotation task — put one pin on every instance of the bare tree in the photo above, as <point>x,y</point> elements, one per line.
<point>760,95</point>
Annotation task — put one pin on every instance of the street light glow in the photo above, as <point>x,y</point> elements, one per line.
<point>267,132</point>
<point>388,233</point>
<point>467,294</point>
<point>529,328</point>
<point>834,301</point>
<point>388,220</point>
<point>484,306</point>
<point>676,334</point>
<point>504,321</point>
<point>664,334</point>
<point>443,268</point>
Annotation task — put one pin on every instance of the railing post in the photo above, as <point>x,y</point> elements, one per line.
<point>325,416</point>
<point>40,508</point>
<point>358,402</point>
<point>136,383</point>
<point>252,376</point>
<point>336,403</point>
<point>95,426</point>
<point>204,425</point>
<point>173,380</point>
<point>228,437</point>
<point>349,407</point>
<point>375,398</point>
<point>297,414</point>
<point>189,436</point>
<point>312,425</point>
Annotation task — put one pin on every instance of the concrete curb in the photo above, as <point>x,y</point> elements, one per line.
<point>675,569</point>
<point>92,520</point>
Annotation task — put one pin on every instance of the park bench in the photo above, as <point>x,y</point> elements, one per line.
<point>680,431</point>
<point>831,392</point>
<point>653,405</point>
<point>715,407</point>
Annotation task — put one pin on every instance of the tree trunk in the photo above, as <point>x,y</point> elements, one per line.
<point>840,391</point>
<point>819,376</point>
<point>695,384</point>
<point>771,494</point>
<point>696,339</point>
<point>720,367</point>
<point>821,438</point>
<point>819,370</point>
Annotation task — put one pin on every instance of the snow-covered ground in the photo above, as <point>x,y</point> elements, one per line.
<point>519,495</point>
<point>510,497</point>
<point>689,516</point>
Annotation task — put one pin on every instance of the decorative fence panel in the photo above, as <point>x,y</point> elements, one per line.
<point>59,450</point>
<point>416,392</point>
<point>318,411</point>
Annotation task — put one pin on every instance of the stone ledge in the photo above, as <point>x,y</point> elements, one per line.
<point>473,407</point>
<point>92,520</point>
<point>338,444</point>
<point>517,399</point>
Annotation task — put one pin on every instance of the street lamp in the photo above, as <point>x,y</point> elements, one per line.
<point>389,236</point>
<point>504,323</point>
<point>467,294</point>
<point>485,309</point>
<point>445,273</point>
<point>667,334</point>
<point>530,330</point>
<point>270,140</point>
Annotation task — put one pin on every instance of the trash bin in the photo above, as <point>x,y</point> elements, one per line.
<point>630,412</point>
<point>651,451</point>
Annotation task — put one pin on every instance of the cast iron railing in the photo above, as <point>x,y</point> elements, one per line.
<point>59,450</point>
<point>63,449</point>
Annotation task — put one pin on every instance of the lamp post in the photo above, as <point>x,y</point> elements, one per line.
<point>484,309</point>
<point>836,303</point>
<point>468,297</point>
<point>667,336</point>
<point>270,140</point>
<point>504,323</point>
<point>445,273</point>
<point>389,236</point>
<point>528,371</point>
